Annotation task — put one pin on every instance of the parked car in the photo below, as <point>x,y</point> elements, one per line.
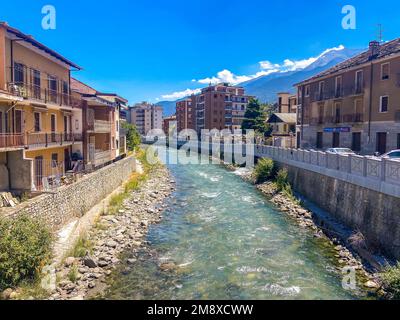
<point>342,151</point>
<point>394,154</point>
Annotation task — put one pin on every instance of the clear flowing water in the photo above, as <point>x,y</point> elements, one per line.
<point>227,242</point>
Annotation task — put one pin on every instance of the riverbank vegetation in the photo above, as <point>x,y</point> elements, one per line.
<point>25,248</point>
<point>391,281</point>
<point>134,182</point>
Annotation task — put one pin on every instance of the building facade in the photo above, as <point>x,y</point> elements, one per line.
<point>170,125</point>
<point>220,107</point>
<point>354,104</point>
<point>146,117</point>
<point>186,114</point>
<point>40,121</point>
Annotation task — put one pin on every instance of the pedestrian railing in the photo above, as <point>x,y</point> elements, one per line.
<point>376,173</point>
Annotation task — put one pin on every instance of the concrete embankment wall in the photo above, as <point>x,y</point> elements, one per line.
<point>73,201</point>
<point>376,215</point>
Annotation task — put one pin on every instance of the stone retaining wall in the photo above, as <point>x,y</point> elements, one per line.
<point>374,214</point>
<point>69,202</point>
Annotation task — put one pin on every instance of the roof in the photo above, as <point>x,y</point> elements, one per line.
<point>114,95</point>
<point>38,45</point>
<point>81,87</point>
<point>283,118</point>
<point>385,50</point>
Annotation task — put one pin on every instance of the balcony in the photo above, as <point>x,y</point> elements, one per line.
<point>338,94</point>
<point>43,140</point>
<point>102,126</point>
<point>11,141</point>
<point>38,140</point>
<point>37,93</point>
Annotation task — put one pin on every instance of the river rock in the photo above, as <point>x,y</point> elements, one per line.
<point>69,261</point>
<point>168,266</point>
<point>371,285</point>
<point>6,294</point>
<point>89,262</point>
<point>112,244</point>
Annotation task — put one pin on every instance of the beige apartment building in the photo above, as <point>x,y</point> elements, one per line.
<point>220,107</point>
<point>355,104</point>
<point>146,117</point>
<point>40,121</point>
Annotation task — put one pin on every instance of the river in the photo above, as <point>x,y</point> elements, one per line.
<point>228,242</point>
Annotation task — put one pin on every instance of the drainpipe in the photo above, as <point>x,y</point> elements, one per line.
<point>370,101</point>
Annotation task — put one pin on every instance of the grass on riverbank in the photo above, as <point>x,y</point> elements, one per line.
<point>134,182</point>
<point>266,170</point>
<point>391,281</point>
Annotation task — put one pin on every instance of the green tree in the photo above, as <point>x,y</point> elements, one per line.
<point>132,136</point>
<point>255,118</point>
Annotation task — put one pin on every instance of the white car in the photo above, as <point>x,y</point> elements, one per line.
<point>342,151</point>
<point>395,155</point>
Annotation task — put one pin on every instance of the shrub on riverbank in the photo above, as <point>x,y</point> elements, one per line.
<point>391,280</point>
<point>25,248</point>
<point>264,170</point>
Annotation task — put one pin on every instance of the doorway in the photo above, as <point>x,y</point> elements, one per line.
<point>53,127</point>
<point>39,171</point>
<point>336,140</point>
<point>381,142</point>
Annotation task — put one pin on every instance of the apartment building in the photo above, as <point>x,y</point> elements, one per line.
<point>283,122</point>
<point>118,132</point>
<point>40,121</point>
<point>100,124</point>
<point>170,125</point>
<point>146,117</point>
<point>220,107</point>
<point>355,104</point>
<point>186,114</point>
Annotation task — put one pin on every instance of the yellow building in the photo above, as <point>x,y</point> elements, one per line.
<point>40,122</point>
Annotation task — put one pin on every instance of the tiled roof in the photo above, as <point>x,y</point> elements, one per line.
<point>283,117</point>
<point>385,50</point>
<point>82,88</point>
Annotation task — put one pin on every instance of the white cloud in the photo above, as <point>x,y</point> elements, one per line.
<point>266,68</point>
<point>180,94</point>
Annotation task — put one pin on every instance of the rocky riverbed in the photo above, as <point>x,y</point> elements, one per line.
<point>83,278</point>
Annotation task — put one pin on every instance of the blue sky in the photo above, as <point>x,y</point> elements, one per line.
<point>146,50</point>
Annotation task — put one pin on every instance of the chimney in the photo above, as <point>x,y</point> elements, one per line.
<point>374,48</point>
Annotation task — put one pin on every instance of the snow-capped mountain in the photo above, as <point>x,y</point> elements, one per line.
<point>266,88</point>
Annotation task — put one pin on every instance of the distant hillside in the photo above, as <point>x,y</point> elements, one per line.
<point>168,106</point>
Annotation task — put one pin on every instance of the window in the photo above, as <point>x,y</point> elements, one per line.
<point>307,91</point>
<point>1,122</point>
<point>19,73</point>
<point>385,71</point>
<point>398,141</point>
<point>337,113</point>
<point>321,90</point>
<point>384,104</point>
<point>52,81</point>
<point>36,84</point>
<point>37,121</point>
<point>356,141</point>
<point>338,86</point>
<point>359,82</point>
<point>320,140</point>
<point>54,160</point>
